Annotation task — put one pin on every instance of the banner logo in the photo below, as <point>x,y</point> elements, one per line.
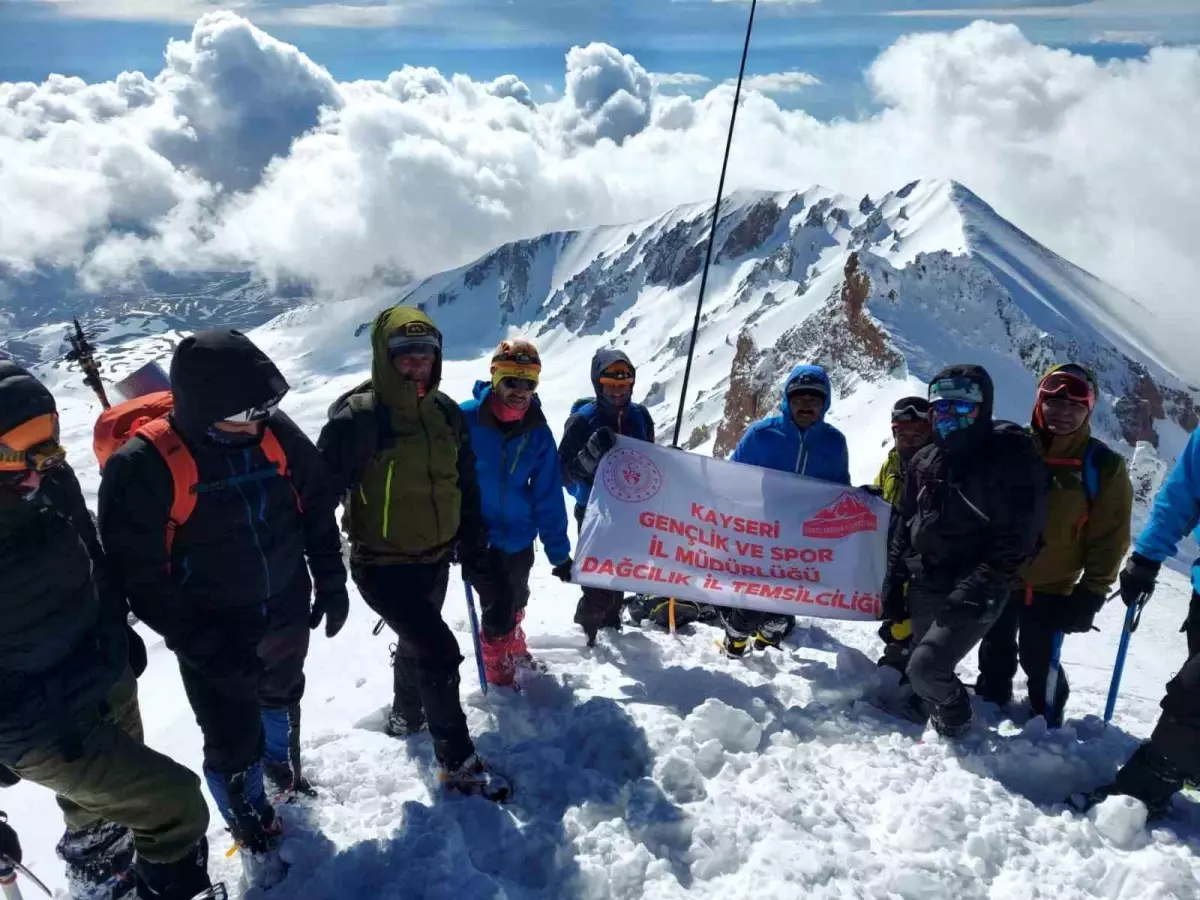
<point>843,517</point>
<point>631,476</point>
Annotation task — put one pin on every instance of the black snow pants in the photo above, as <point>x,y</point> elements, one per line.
<point>943,634</point>
<point>1177,734</point>
<point>503,590</point>
<point>425,668</point>
<point>598,607</point>
<point>1024,632</point>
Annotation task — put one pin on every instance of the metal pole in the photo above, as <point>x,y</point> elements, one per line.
<point>712,234</point>
<point>475,636</point>
<point>1114,686</point>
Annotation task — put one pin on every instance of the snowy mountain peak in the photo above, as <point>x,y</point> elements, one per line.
<point>882,289</point>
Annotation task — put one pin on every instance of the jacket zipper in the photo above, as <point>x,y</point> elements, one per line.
<point>800,455</point>
<point>437,518</point>
<point>387,496</point>
<point>503,481</point>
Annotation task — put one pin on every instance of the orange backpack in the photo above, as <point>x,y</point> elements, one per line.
<point>146,417</point>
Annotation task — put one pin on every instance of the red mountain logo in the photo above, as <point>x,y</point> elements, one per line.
<point>843,517</point>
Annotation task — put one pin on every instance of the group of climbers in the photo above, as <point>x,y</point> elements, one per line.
<point>217,528</point>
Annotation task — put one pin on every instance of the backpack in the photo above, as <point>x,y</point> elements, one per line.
<point>656,610</point>
<point>579,406</point>
<point>1097,455</point>
<point>146,417</point>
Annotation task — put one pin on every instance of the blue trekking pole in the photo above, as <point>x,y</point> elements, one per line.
<point>1052,675</point>
<point>1133,615</point>
<point>475,635</point>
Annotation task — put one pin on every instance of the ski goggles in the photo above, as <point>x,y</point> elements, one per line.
<point>259,413</point>
<point>1067,386</point>
<point>955,389</point>
<point>32,445</point>
<point>911,412</point>
<point>619,375</point>
<point>957,408</point>
<point>518,384</point>
<point>403,345</point>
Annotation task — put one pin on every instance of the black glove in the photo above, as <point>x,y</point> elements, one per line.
<point>333,605</point>
<point>977,603</point>
<point>1138,579</point>
<point>10,844</point>
<point>1077,612</point>
<point>476,562</point>
<point>563,570</point>
<point>602,440</point>
<point>137,651</point>
<point>873,489</point>
<point>8,777</point>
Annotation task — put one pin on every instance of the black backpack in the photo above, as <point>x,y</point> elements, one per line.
<point>656,610</point>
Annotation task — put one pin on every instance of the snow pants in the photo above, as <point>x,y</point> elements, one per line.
<point>597,608</point>
<point>1025,632</point>
<point>232,711</point>
<point>1177,734</point>
<point>503,591</point>
<point>943,634</point>
<point>425,667</point>
<point>119,780</point>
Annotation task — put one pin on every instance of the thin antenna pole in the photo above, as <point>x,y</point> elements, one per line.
<point>712,235</point>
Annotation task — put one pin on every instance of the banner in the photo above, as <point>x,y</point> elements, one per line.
<point>664,521</point>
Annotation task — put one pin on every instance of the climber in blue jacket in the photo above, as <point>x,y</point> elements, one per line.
<point>521,488</point>
<point>798,440</point>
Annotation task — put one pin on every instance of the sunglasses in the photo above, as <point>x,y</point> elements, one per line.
<point>955,389</point>
<point>412,349</point>
<point>518,384</point>
<point>255,413</point>
<point>954,407</point>
<point>1064,386</point>
<point>32,445</point>
<point>910,413</point>
<point>617,378</point>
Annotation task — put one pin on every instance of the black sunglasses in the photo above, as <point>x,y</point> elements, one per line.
<point>518,384</point>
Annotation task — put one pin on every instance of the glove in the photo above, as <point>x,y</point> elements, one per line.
<point>8,777</point>
<point>1077,612</point>
<point>872,489</point>
<point>563,570</point>
<point>1138,579</point>
<point>10,844</point>
<point>476,562</point>
<point>895,632</point>
<point>895,602</point>
<point>137,651</point>
<point>977,603</point>
<point>333,605</point>
<point>601,441</point>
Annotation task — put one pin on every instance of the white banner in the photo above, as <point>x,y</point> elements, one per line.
<point>664,521</point>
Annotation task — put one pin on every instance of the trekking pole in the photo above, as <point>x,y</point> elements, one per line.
<point>712,234</point>
<point>83,352</point>
<point>1052,674</point>
<point>1133,616</point>
<point>475,636</point>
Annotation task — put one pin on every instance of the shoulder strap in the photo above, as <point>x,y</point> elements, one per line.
<point>452,411</point>
<point>182,466</point>
<point>277,456</point>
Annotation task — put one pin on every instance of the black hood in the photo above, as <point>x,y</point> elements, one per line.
<point>601,361</point>
<point>970,437</point>
<point>22,396</point>
<point>216,374</point>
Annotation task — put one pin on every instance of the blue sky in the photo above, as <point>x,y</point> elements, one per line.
<point>833,40</point>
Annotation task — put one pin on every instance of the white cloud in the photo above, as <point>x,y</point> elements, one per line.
<point>1096,8</point>
<point>1117,36</point>
<point>678,79</point>
<point>340,181</point>
<point>778,82</point>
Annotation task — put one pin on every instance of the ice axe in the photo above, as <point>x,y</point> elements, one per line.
<point>84,352</point>
<point>9,868</point>
<point>1052,675</point>
<point>1133,617</point>
<point>475,635</point>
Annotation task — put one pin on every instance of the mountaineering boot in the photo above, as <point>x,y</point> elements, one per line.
<point>522,658</point>
<point>474,777</point>
<point>734,647</point>
<point>399,727</point>
<point>255,829</point>
<point>1148,776</point>
<point>183,879</point>
<point>99,862</point>
<point>773,631</point>
<point>407,715</point>
<point>953,719</point>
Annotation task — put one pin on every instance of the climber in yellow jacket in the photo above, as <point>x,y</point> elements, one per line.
<point>911,430</point>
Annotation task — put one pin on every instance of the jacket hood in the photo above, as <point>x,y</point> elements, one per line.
<point>22,396</point>
<point>795,375</point>
<point>390,386</point>
<point>982,426</point>
<point>216,374</point>
<point>602,360</point>
<point>1035,418</point>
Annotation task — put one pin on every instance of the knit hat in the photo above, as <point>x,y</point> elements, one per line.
<point>516,358</point>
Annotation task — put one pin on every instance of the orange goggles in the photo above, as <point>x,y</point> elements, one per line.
<point>617,375</point>
<point>32,445</point>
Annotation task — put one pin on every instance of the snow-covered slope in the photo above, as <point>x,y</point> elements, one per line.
<point>651,766</point>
